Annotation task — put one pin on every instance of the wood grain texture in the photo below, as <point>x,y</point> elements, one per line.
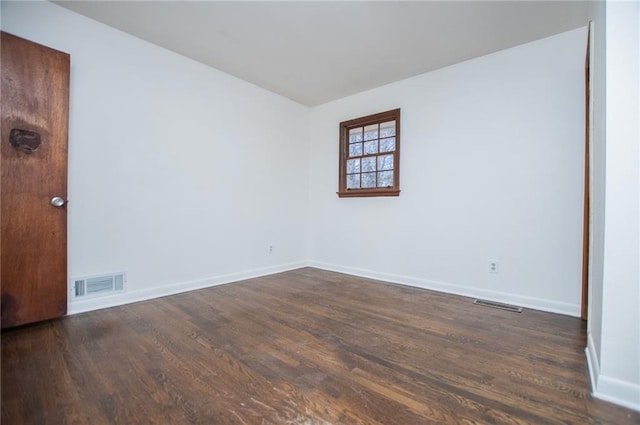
<point>302,347</point>
<point>35,105</point>
<point>586,212</point>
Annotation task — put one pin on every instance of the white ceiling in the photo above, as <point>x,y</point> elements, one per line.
<point>315,52</point>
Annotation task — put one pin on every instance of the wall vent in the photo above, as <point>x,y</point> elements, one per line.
<point>97,286</point>
<point>501,306</point>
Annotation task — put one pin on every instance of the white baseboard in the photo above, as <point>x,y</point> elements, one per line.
<point>466,291</point>
<point>592,363</point>
<point>81,306</point>
<point>610,389</point>
<point>619,392</point>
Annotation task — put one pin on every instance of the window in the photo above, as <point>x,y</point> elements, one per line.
<point>370,155</point>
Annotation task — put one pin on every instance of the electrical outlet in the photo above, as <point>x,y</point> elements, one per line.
<point>493,266</point>
<point>270,249</point>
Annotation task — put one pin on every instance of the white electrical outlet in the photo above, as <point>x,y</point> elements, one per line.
<point>493,266</point>
<point>270,249</point>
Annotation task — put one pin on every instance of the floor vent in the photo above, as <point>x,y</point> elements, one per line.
<point>97,286</point>
<point>501,306</point>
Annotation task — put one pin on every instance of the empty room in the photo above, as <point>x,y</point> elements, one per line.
<point>320,212</point>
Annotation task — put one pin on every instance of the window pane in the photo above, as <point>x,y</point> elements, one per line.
<point>385,179</point>
<point>388,145</point>
<point>371,132</point>
<point>368,180</point>
<point>388,129</point>
<point>355,135</point>
<point>369,164</point>
<point>353,181</point>
<point>355,149</point>
<point>353,166</point>
<point>385,162</point>
<point>371,147</point>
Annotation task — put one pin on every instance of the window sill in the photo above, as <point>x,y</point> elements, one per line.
<point>364,193</point>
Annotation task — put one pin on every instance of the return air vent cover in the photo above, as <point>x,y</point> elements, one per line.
<point>97,286</point>
<point>501,306</point>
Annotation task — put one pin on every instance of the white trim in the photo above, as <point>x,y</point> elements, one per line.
<point>610,389</point>
<point>121,298</point>
<point>450,288</point>
<point>614,390</point>
<point>592,362</point>
<point>592,66</point>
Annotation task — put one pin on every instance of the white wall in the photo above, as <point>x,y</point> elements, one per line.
<point>492,168</point>
<point>614,343</point>
<point>179,174</point>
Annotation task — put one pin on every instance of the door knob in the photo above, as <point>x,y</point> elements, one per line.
<point>58,202</point>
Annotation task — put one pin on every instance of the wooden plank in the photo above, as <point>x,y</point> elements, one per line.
<point>302,347</point>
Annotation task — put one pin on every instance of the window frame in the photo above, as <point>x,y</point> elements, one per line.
<point>345,126</point>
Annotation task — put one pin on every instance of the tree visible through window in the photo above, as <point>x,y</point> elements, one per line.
<point>370,155</point>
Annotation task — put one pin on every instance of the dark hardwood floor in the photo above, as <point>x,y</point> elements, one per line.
<point>304,347</point>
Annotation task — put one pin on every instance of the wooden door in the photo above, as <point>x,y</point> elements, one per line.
<point>35,109</point>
